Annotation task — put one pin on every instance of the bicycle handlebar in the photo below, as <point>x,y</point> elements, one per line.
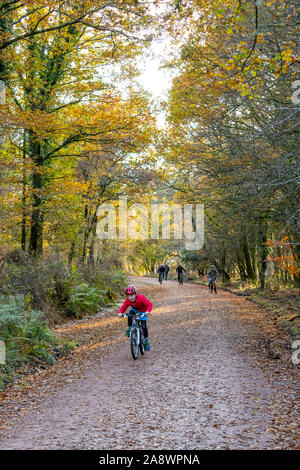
<point>125,315</point>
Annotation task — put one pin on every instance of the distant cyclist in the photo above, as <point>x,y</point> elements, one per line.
<point>212,274</point>
<point>139,304</point>
<point>161,272</point>
<point>180,269</point>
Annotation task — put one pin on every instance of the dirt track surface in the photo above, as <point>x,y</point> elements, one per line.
<point>212,380</point>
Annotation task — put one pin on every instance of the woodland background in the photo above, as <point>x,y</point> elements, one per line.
<point>78,130</point>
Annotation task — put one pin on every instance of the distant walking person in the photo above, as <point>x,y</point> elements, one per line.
<point>167,269</point>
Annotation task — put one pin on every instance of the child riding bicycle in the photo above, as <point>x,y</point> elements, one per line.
<point>139,305</point>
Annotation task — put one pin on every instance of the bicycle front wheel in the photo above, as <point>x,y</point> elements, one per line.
<point>142,348</point>
<point>141,345</point>
<point>134,343</point>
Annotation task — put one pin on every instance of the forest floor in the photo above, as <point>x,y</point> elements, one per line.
<point>283,304</point>
<point>219,375</point>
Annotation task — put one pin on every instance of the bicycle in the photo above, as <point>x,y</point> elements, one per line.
<point>212,286</point>
<point>160,277</point>
<point>180,278</point>
<point>136,337</point>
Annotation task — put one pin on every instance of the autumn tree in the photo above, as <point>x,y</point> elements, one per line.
<point>59,108</point>
<point>233,126</point>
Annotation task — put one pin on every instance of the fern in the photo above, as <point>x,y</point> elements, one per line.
<point>86,299</point>
<point>26,335</point>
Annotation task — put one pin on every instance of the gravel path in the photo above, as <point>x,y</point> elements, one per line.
<point>199,387</point>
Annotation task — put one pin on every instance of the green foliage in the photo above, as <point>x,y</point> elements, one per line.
<point>40,282</point>
<point>26,335</point>
<point>86,299</point>
<point>92,288</point>
<point>115,281</point>
<point>111,280</point>
<point>29,289</point>
<point>51,285</point>
<point>145,256</point>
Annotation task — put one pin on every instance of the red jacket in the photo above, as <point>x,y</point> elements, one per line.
<point>141,304</point>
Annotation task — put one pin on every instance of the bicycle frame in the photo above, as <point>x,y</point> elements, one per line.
<point>136,337</point>
<point>136,324</point>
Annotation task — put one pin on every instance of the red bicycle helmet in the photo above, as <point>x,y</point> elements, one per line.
<point>129,290</point>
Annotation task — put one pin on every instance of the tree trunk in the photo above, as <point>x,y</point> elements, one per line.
<point>5,27</point>
<point>24,197</point>
<point>91,259</point>
<point>85,234</point>
<point>37,220</point>
<point>71,253</point>
<point>90,225</point>
<point>263,252</point>
<point>241,267</point>
<point>295,248</point>
<point>37,215</point>
<point>249,267</point>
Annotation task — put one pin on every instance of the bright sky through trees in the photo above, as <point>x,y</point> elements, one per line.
<point>154,79</point>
